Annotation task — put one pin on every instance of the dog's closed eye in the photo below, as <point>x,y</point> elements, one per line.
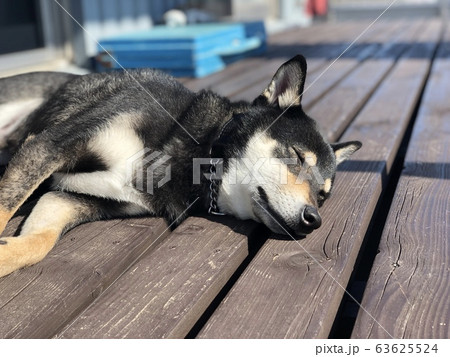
<point>300,155</point>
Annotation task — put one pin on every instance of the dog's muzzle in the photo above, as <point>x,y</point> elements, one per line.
<point>305,223</point>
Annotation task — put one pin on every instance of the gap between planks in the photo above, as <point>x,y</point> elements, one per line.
<point>410,275</point>
<point>167,291</point>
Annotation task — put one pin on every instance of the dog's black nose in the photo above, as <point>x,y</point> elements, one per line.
<point>310,217</point>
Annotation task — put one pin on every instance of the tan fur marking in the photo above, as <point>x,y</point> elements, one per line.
<point>310,158</point>
<point>22,251</point>
<point>29,137</point>
<point>269,92</point>
<point>295,188</point>
<point>39,233</point>
<point>288,98</point>
<point>327,185</point>
<point>5,216</point>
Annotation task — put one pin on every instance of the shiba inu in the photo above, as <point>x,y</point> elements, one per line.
<point>125,143</point>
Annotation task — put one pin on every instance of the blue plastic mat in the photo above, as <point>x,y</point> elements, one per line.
<point>193,50</point>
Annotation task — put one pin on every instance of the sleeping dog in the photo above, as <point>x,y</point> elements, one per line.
<point>130,143</point>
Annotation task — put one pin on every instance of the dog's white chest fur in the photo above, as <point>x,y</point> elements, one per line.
<point>115,145</point>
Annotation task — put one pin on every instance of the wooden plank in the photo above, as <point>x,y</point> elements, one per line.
<point>178,327</point>
<point>321,82</point>
<point>232,70</point>
<point>37,301</point>
<point>292,289</point>
<point>407,291</point>
<point>235,84</point>
<point>326,74</point>
<point>167,291</point>
<point>330,78</point>
<point>283,46</point>
<point>329,35</point>
<point>47,306</point>
<point>264,68</point>
<point>260,73</point>
<point>243,66</point>
<point>370,45</point>
<point>350,95</point>
<point>311,34</point>
<point>249,85</point>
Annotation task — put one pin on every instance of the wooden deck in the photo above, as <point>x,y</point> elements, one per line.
<point>222,278</point>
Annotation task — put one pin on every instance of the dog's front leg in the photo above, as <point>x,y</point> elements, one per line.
<point>37,160</point>
<point>55,213</point>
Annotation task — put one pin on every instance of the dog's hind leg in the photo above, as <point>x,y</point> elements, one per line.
<point>54,214</point>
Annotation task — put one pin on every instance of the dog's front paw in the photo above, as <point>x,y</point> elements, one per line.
<point>9,258</point>
<point>18,252</point>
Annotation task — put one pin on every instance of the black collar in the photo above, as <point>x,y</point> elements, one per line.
<point>215,159</point>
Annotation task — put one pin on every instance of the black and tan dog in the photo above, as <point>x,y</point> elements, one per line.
<point>82,132</point>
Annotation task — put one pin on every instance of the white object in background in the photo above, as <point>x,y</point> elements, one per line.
<point>294,12</point>
<point>175,18</point>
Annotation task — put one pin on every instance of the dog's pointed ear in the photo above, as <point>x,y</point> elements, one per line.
<point>342,151</point>
<point>286,87</point>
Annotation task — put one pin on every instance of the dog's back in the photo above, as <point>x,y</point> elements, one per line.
<point>30,103</point>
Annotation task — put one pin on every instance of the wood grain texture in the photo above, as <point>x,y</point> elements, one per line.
<point>323,72</point>
<point>134,326</point>
<point>353,57</point>
<point>293,289</point>
<point>408,288</point>
<point>337,108</point>
<point>37,301</point>
<point>231,71</point>
<point>232,86</point>
<point>317,45</point>
<point>293,40</point>
<point>167,291</point>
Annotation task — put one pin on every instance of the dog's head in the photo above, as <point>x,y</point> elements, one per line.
<point>278,168</point>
